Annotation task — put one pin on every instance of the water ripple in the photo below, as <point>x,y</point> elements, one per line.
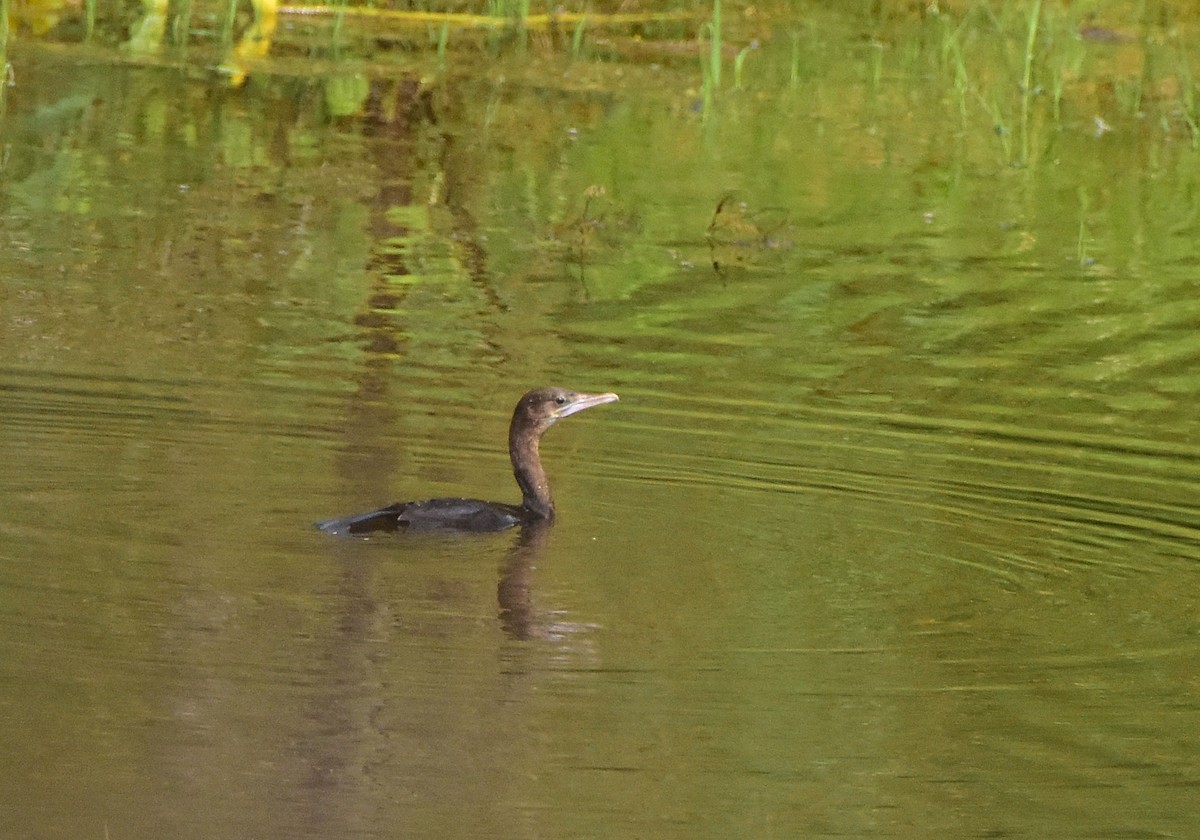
<point>1029,499</point>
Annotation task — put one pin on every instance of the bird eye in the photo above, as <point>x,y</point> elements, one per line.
<point>560,400</point>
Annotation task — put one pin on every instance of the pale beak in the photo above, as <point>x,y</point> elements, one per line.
<point>583,401</point>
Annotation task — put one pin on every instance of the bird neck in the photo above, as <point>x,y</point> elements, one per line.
<point>527,469</point>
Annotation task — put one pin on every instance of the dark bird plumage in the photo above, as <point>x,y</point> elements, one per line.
<point>536,412</point>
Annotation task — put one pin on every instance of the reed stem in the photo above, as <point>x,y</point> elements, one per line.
<point>1035,14</point>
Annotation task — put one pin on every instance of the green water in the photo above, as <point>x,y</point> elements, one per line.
<point>894,531</point>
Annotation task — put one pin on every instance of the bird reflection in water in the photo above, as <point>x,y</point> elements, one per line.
<point>514,591</point>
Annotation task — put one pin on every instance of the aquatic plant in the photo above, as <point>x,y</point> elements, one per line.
<point>993,98</point>
<point>739,60</point>
<point>1027,89</point>
<point>227,23</point>
<point>794,74</point>
<point>443,41</point>
<point>5,67</point>
<point>1187,100</point>
<point>715,45</point>
<point>146,37</point>
<point>1081,241</point>
<point>710,65</point>
<point>180,24</point>
<point>577,38</point>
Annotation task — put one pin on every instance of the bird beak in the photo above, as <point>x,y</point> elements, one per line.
<point>583,401</point>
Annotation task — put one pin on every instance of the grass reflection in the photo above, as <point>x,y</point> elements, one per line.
<point>1019,72</point>
<point>4,66</point>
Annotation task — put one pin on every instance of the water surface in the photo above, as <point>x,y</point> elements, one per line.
<point>893,532</point>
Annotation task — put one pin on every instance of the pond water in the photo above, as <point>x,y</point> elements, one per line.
<point>895,530</point>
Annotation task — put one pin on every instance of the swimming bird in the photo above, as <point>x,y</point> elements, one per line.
<point>536,412</point>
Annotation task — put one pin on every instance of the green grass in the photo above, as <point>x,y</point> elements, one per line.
<point>1081,254</point>
<point>339,24</point>
<point>577,38</point>
<point>794,69</point>
<point>180,24</point>
<point>1017,70</point>
<point>716,45</point>
<point>738,61</point>
<point>228,22</point>
<point>1187,100</point>
<point>5,68</point>
<point>443,40</point>
<point>1026,67</point>
<point>710,69</point>
<point>1027,87</point>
